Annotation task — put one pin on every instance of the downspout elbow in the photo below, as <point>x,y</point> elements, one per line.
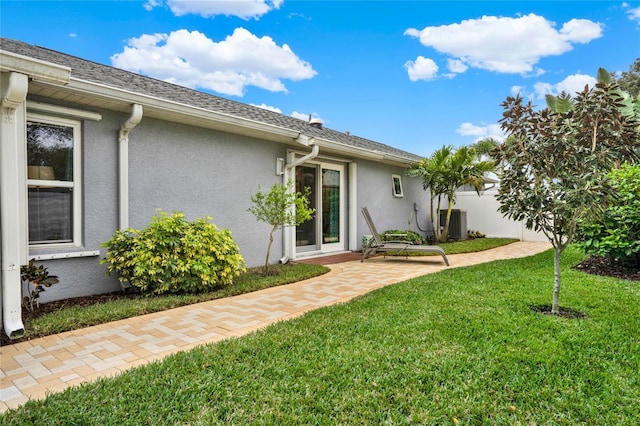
<point>132,121</point>
<point>313,154</point>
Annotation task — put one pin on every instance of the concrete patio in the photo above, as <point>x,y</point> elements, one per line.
<point>31,369</point>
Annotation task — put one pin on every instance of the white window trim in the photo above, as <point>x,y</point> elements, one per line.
<point>397,189</point>
<point>77,177</point>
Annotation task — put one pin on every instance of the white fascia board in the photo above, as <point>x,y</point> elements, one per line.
<point>399,159</point>
<point>347,149</point>
<point>91,88</point>
<point>365,153</point>
<point>35,68</point>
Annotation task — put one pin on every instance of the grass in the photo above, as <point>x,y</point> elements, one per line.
<point>462,346</point>
<point>75,317</point>
<point>458,247</point>
<point>475,245</point>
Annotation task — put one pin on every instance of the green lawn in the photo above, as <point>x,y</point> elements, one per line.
<point>74,317</point>
<point>460,346</point>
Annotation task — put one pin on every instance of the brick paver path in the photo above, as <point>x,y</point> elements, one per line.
<point>33,368</point>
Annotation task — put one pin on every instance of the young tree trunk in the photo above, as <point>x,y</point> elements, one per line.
<point>436,231</point>
<point>445,231</point>
<point>266,262</point>
<point>433,226</point>
<point>555,306</point>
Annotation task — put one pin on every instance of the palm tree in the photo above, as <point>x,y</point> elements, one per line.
<point>432,170</point>
<point>443,173</point>
<point>463,169</point>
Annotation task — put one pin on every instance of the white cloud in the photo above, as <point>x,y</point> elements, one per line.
<point>634,13</point>
<point>517,90</point>
<point>244,9</point>
<point>421,69</point>
<point>571,84</point>
<point>268,107</point>
<point>228,66</point>
<point>506,45</point>
<point>481,132</point>
<point>456,66</point>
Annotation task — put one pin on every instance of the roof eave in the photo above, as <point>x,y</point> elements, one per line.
<point>175,111</point>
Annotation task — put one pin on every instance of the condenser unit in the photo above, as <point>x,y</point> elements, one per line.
<point>457,224</point>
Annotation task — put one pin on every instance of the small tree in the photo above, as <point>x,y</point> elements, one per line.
<point>555,161</point>
<point>39,278</point>
<point>281,206</point>
<point>443,173</point>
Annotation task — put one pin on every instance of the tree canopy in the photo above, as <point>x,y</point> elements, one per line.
<point>555,160</point>
<point>443,174</point>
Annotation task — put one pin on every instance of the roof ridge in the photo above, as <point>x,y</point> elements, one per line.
<point>96,72</point>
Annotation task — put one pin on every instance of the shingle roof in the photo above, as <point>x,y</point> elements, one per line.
<point>113,77</point>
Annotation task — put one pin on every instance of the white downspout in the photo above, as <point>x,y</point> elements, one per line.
<point>123,162</point>
<point>288,236</point>
<point>13,250</point>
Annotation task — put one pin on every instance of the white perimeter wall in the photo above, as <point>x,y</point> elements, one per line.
<point>483,215</point>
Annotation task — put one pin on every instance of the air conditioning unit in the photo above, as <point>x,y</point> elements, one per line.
<point>457,224</point>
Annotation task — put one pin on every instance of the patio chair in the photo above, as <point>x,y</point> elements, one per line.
<point>377,245</point>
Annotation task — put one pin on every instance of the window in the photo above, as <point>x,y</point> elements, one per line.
<point>397,186</point>
<point>53,180</point>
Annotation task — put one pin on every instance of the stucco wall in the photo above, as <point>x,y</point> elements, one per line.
<point>171,167</point>
<point>199,172</point>
<point>203,172</point>
<point>83,276</point>
<point>388,212</point>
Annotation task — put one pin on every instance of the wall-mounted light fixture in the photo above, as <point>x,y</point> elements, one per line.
<point>279,166</point>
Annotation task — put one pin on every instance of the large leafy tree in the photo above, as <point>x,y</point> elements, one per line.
<point>443,174</point>
<point>555,160</point>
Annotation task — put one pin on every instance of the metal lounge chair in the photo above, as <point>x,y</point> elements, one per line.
<point>377,245</point>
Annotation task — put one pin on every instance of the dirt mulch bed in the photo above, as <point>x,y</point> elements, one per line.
<point>60,304</point>
<point>597,265</point>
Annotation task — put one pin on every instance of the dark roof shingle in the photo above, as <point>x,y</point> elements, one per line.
<point>114,77</point>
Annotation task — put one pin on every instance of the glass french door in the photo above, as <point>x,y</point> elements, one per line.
<point>325,232</point>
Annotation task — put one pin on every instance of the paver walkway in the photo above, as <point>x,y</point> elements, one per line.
<point>33,368</point>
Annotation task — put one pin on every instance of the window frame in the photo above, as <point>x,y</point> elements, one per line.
<point>75,185</point>
<point>396,186</point>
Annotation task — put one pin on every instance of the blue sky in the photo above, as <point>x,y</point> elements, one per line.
<point>415,75</point>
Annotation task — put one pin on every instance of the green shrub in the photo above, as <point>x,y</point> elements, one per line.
<point>472,234</point>
<point>173,255</point>
<point>617,234</point>
<point>397,235</point>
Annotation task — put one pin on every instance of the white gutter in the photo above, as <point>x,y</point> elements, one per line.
<point>287,233</point>
<point>34,68</point>
<point>165,105</point>
<point>13,251</point>
<point>123,163</point>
